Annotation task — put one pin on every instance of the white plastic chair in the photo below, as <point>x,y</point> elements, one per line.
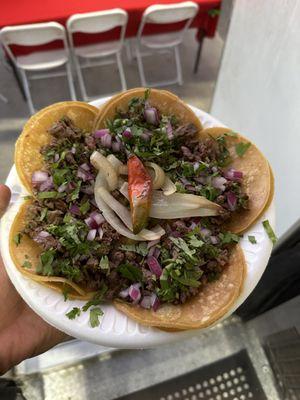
<point>92,55</point>
<point>162,43</point>
<point>35,35</point>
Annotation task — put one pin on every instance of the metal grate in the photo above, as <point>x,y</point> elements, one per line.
<point>232,378</point>
<point>283,351</point>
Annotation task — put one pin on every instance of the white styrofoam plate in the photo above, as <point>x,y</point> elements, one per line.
<point>117,330</point>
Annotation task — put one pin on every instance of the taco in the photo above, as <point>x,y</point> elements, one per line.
<point>133,211</point>
<point>258,180</point>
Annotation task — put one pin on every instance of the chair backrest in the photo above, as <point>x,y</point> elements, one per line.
<point>168,14</point>
<point>97,22</point>
<point>32,35</point>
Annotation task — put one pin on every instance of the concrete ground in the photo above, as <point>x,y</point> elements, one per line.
<point>196,89</point>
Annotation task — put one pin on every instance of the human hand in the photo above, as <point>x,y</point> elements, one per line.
<point>23,334</point>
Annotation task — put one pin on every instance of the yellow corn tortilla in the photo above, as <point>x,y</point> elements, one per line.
<point>258,181</point>
<point>34,135</point>
<point>166,102</point>
<point>208,306</point>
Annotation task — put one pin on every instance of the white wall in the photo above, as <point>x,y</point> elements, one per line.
<point>258,91</point>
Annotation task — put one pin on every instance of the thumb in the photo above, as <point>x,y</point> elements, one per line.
<point>4,198</point>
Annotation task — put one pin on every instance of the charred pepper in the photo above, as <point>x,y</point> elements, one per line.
<point>140,193</point>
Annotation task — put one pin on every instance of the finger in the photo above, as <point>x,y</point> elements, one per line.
<point>4,198</point>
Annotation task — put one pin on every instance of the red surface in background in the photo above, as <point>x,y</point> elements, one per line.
<point>17,12</point>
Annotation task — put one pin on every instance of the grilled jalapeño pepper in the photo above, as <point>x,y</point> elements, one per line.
<point>140,193</point>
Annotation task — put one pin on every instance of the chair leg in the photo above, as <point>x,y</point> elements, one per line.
<point>70,81</point>
<point>178,65</point>
<point>80,79</point>
<point>140,66</point>
<point>121,71</point>
<point>200,39</point>
<point>27,91</point>
<point>128,50</point>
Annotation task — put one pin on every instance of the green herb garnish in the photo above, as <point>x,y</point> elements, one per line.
<point>27,264</point>
<point>95,313</point>
<point>139,248</point>
<point>252,239</point>
<point>241,148</point>
<point>75,312</point>
<point>130,272</point>
<point>269,230</point>
<point>47,195</point>
<point>17,239</point>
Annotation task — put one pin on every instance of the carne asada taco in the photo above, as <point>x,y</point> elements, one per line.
<point>35,134</point>
<point>134,212</point>
<point>258,181</point>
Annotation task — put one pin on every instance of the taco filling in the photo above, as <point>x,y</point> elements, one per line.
<point>134,211</point>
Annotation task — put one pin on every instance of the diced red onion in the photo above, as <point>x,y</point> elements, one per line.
<point>231,200</point>
<point>191,188</point>
<point>151,251</point>
<point>233,175</point>
<point>73,150</point>
<point>91,235</point>
<point>146,302</point>
<point>47,185</point>
<point>152,243</point>
<point>193,225</point>
<point>85,166</point>
<point>124,293</point>
<point>196,165</point>
<point>219,182</point>
<point>134,292</point>
<point>74,209</point>
<point>91,223</point>
<point>127,133</point>
<point>155,303</point>
<point>154,266</point>
<point>43,234</point>
<point>116,147</point>
<point>97,217</point>
<point>100,233</point>
<point>214,239</point>
<point>84,175</point>
<point>185,181</point>
<point>39,177</point>
<point>156,252</point>
<point>169,129</point>
<point>205,232</point>
<point>56,157</point>
<point>100,133</point>
<point>106,141</point>
<point>62,188</point>
<point>151,116</point>
<point>214,169</point>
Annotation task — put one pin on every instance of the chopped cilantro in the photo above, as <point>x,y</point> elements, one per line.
<point>17,239</point>
<point>45,265</point>
<point>28,197</point>
<point>104,263</point>
<point>269,230</point>
<point>43,213</point>
<point>182,245</point>
<point>95,313</point>
<point>241,148</point>
<point>48,195</point>
<point>75,193</point>
<point>65,293</point>
<point>75,312</point>
<point>27,264</point>
<point>130,272</point>
<point>139,248</point>
<point>228,237</point>
<point>84,208</point>
<point>194,242</point>
<point>252,239</point>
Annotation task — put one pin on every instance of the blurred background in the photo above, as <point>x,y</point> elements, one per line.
<point>238,60</point>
